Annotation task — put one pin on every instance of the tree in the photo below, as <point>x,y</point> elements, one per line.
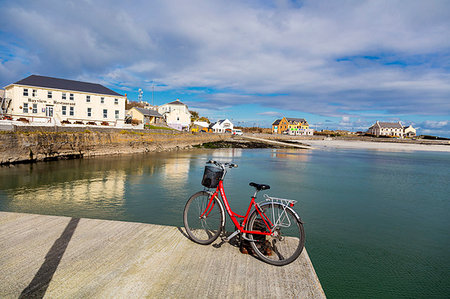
<point>194,115</point>
<point>131,104</point>
<point>203,118</point>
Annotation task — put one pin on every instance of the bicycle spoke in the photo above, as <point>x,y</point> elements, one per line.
<point>203,218</point>
<point>285,243</point>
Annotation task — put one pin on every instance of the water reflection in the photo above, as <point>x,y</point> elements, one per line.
<point>176,170</point>
<point>106,191</point>
<point>226,155</point>
<point>352,201</point>
<point>292,154</point>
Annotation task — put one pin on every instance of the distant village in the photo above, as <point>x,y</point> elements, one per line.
<point>47,101</point>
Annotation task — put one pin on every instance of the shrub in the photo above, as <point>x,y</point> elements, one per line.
<point>135,122</point>
<point>105,123</point>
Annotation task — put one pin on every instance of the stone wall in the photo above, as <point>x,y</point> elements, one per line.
<point>18,147</point>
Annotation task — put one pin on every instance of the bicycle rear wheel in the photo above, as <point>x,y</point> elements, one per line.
<point>203,219</point>
<point>288,238</point>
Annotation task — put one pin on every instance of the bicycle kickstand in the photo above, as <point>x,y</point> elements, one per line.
<point>232,236</point>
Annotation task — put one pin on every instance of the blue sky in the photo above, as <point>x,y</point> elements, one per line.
<point>339,64</point>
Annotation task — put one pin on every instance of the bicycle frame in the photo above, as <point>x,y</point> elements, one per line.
<point>220,190</point>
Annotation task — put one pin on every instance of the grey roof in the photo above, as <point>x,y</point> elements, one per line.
<point>177,102</point>
<point>64,84</point>
<point>390,125</point>
<point>148,112</point>
<point>300,120</point>
<point>277,122</point>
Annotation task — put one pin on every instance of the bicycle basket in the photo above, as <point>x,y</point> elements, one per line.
<point>211,176</point>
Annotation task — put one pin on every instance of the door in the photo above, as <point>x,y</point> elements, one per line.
<point>49,111</point>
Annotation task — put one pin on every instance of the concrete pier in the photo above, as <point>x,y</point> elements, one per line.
<point>63,257</point>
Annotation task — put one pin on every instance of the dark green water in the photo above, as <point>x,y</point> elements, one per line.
<point>377,223</point>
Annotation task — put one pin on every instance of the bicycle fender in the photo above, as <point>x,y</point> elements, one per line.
<point>287,208</point>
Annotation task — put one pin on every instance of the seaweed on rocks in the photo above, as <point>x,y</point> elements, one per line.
<point>236,144</point>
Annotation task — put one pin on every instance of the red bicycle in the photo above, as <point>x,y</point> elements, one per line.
<point>273,229</point>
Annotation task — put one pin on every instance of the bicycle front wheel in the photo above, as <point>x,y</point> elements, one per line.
<point>286,242</point>
<point>203,218</point>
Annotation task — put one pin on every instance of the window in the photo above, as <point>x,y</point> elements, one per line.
<point>116,101</point>
<point>105,113</point>
<point>25,92</point>
<point>117,114</point>
<point>34,108</point>
<point>88,99</point>
<point>49,94</point>
<point>64,110</point>
<point>102,100</point>
<point>71,97</point>
<point>34,93</point>
<point>64,96</point>
<point>89,112</point>
<point>25,107</point>
<point>71,112</point>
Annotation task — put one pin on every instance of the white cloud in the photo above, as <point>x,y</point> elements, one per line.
<point>329,58</point>
<point>270,113</point>
<point>435,124</point>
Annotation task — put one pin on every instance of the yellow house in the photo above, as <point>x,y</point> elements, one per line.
<point>145,116</point>
<point>275,126</point>
<point>294,126</point>
<point>280,125</point>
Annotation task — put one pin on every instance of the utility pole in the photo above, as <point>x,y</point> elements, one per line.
<point>153,90</point>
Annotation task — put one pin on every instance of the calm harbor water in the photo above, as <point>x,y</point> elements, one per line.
<point>377,223</point>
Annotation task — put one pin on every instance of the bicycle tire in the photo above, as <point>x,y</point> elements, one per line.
<point>203,230</point>
<point>286,245</point>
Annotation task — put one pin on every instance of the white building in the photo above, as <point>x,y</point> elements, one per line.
<point>59,101</point>
<point>222,126</point>
<point>386,129</point>
<point>302,132</point>
<point>202,124</point>
<point>176,114</point>
<point>409,131</point>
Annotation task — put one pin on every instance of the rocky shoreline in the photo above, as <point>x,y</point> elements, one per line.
<point>27,147</point>
<point>34,146</point>
<point>232,143</point>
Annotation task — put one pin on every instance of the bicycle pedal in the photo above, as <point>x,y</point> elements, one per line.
<point>218,245</point>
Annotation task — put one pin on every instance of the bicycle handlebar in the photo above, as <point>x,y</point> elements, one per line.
<point>223,165</point>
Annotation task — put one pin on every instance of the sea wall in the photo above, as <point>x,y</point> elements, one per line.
<point>19,147</point>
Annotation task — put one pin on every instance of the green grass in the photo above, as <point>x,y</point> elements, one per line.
<point>131,132</point>
<point>152,127</point>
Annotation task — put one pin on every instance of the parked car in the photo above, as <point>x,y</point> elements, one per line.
<point>237,132</point>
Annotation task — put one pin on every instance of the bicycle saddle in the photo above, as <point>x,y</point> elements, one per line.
<point>259,187</point>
